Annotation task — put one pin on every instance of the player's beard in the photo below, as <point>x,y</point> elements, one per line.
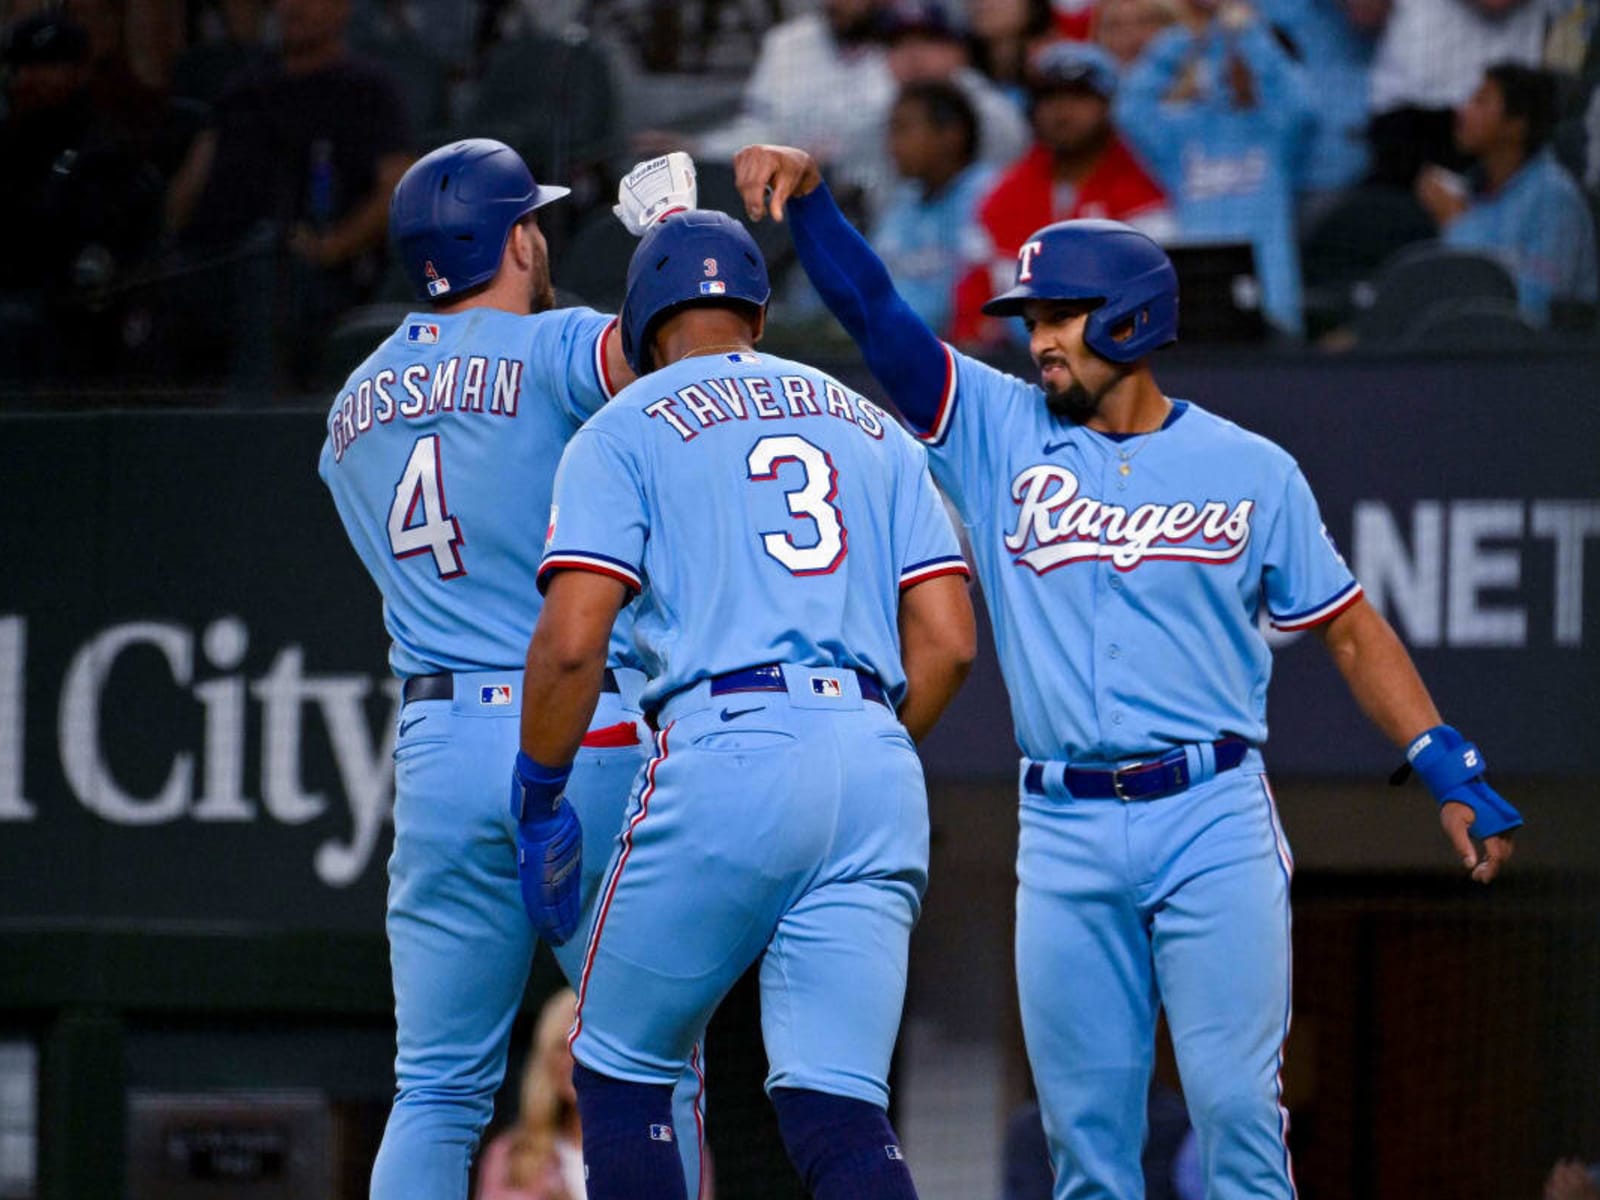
<point>1075,402</point>
<point>541,293</point>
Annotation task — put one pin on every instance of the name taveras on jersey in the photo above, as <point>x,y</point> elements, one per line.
<point>1055,525</point>
<point>450,385</point>
<point>714,401</point>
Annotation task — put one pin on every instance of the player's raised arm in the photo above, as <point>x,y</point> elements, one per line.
<point>1385,683</point>
<point>901,351</point>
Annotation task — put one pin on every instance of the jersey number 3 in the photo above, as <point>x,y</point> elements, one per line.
<point>419,523</point>
<point>813,499</point>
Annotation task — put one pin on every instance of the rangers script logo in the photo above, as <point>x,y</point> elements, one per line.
<point>1055,526</point>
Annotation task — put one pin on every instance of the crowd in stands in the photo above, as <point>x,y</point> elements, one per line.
<point>198,189</point>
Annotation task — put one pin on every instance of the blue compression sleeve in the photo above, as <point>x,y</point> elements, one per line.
<point>901,351</point>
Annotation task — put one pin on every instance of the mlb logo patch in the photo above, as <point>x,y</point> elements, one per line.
<point>826,686</point>
<point>713,287</point>
<point>494,695</point>
<point>420,334</point>
<point>438,287</point>
<point>739,356</point>
<point>661,1133</point>
<point>893,1153</point>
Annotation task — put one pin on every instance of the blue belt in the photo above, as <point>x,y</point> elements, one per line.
<point>769,678</point>
<point>1147,780</point>
<point>443,686</point>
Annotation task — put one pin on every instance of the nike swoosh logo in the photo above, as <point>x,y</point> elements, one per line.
<point>405,725</point>
<point>1052,447</point>
<point>729,714</point>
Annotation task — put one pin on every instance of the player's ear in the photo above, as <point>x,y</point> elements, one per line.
<point>519,246</point>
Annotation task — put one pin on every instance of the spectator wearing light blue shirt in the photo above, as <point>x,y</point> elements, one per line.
<point>1219,111</point>
<point>1525,208</point>
<point>933,138</point>
<point>1335,55</point>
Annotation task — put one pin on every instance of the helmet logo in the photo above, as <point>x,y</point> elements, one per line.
<point>710,266</point>
<point>437,284</point>
<point>1025,258</point>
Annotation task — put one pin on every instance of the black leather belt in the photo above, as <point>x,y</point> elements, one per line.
<point>1147,780</point>
<point>769,678</point>
<point>443,686</point>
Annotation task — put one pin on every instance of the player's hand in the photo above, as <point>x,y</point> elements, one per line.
<point>1457,820</point>
<point>549,849</point>
<point>1442,194</point>
<point>768,175</point>
<point>654,190</point>
<point>1469,809</point>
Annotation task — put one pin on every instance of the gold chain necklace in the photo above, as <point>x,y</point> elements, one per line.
<point>1125,466</point>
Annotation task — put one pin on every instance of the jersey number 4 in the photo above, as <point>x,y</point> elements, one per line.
<point>813,499</point>
<point>419,522</point>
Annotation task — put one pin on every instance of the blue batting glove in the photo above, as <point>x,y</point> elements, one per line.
<point>1453,767</point>
<point>549,848</point>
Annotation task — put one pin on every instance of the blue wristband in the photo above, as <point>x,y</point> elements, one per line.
<point>1453,767</point>
<point>536,789</point>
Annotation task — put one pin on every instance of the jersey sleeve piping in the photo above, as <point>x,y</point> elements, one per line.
<point>602,371</point>
<point>932,568</point>
<point>582,560</point>
<point>1322,613</point>
<point>939,427</point>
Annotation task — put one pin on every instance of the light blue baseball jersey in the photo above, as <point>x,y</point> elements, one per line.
<point>733,490</point>
<point>441,454</point>
<point>1126,605</point>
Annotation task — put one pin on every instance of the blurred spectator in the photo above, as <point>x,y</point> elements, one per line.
<point>1573,1179</point>
<point>1002,35</point>
<point>1125,27</point>
<point>1074,19</point>
<point>933,134</point>
<point>1077,167</point>
<point>1218,110</point>
<point>81,197</point>
<point>396,34</point>
<point>300,156</point>
<point>231,43</point>
<point>541,1156</point>
<point>820,82</point>
<point>1524,206</point>
<point>926,45</point>
<point>1335,58</point>
<point>1430,57</point>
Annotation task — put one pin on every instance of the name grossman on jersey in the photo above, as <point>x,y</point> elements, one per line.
<point>455,384</point>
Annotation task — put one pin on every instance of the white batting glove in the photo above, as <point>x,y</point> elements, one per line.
<point>655,189</point>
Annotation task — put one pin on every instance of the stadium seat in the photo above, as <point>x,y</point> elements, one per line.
<point>1457,325</point>
<point>1417,277</point>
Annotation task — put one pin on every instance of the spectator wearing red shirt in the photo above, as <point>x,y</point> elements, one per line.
<point>1077,167</point>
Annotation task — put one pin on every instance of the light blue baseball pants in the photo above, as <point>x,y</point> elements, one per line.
<point>460,943</point>
<point>1180,902</point>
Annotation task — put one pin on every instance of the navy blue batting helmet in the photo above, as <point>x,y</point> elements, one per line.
<point>1108,261</point>
<point>453,211</point>
<point>694,257</point>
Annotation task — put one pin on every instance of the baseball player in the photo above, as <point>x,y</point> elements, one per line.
<point>803,616</point>
<point>441,454</point>
<point>1128,544</point>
